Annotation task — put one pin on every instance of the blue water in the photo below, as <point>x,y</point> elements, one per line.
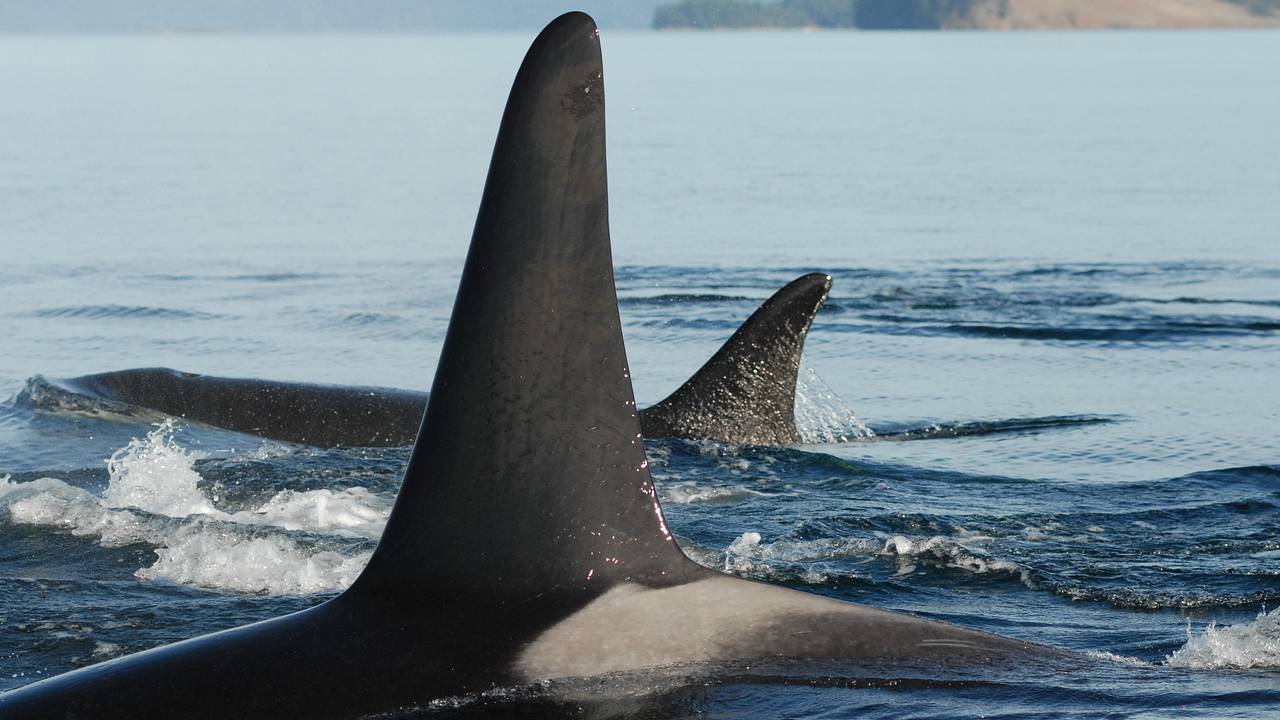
<point>1042,398</point>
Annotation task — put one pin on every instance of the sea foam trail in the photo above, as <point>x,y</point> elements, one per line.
<point>1235,647</point>
<point>153,497</point>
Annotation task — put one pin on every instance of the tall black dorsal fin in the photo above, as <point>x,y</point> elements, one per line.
<point>529,474</point>
<point>747,391</point>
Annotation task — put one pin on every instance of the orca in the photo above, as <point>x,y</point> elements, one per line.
<point>744,394</point>
<point>527,542</point>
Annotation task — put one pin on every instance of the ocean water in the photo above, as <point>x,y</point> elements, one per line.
<point>1042,399</point>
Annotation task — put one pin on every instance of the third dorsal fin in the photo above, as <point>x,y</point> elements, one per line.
<point>746,392</point>
<point>529,474</point>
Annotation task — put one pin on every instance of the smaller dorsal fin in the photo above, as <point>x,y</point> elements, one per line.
<point>746,392</point>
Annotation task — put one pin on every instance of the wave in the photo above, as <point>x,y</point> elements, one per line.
<point>951,554</point>
<point>933,431</point>
<point>1049,304</point>
<point>693,494</point>
<point>279,276</point>
<point>100,312</point>
<point>788,560</point>
<point>1136,546</point>
<point>1171,331</point>
<point>1188,300</point>
<point>283,521</point>
<point>1164,332</point>
<point>371,318</point>
<point>1235,647</point>
<point>294,542</point>
<point>863,559</point>
<point>250,277</point>
<point>1155,599</point>
<point>818,560</point>
<point>685,299</point>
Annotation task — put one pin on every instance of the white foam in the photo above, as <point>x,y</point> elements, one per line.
<point>950,553</point>
<point>53,503</point>
<point>1111,657</point>
<point>105,649</point>
<point>153,497</point>
<point>748,555</point>
<point>1034,534</point>
<point>692,494</point>
<point>350,512</point>
<point>746,543</point>
<point>275,565</point>
<point>748,551</point>
<point>1234,647</point>
<point>156,475</point>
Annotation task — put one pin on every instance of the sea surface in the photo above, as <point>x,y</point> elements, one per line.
<point>1042,399</point>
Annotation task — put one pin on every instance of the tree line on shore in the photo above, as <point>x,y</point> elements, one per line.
<point>865,14</point>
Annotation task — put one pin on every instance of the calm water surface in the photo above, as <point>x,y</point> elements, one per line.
<point>1056,309</point>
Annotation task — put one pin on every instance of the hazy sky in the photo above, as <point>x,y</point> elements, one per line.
<point>309,15</point>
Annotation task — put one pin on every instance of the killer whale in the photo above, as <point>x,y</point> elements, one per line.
<point>536,552</point>
<point>744,394</point>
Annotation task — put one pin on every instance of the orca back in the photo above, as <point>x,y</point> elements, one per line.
<point>306,413</point>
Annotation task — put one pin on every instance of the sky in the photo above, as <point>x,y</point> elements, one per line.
<point>63,16</point>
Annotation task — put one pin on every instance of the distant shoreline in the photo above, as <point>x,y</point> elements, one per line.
<point>999,15</point>
<point>935,31</point>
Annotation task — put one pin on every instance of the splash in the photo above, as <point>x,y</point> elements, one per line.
<point>291,544</point>
<point>1234,647</point>
<point>821,416</point>
<point>156,475</point>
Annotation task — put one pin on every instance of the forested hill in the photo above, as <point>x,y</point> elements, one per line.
<point>966,14</point>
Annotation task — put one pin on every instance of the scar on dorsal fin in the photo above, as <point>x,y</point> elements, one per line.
<point>746,392</point>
